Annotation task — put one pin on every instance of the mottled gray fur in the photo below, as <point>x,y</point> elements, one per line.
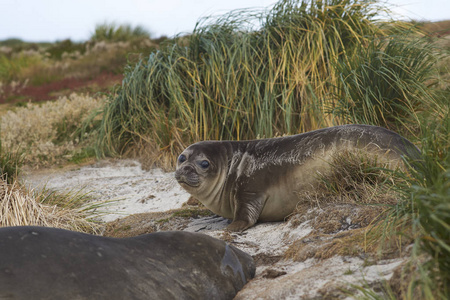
<point>259,180</point>
<point>50,263</point>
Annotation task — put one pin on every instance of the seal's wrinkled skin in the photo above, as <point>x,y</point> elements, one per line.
<point>50,263</point>
<point>259,180</point>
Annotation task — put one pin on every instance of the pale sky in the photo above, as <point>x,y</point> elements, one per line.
<point>52,20</point>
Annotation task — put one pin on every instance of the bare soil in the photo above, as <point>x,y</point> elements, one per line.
<point>51,91</point>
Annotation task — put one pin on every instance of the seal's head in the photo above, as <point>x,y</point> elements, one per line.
<point>201,168</point>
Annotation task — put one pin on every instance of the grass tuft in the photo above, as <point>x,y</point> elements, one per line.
<point>355,177</point>
<point>19,207</point>
<point>10,164</point>
<point>347,208</point>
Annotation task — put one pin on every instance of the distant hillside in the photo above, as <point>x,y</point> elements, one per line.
<point>441,28</point>
<point>16,43</point>
<point>45,71</point>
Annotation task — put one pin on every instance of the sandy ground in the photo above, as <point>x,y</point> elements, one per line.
<point>133,190</point>
<point>130,189</point>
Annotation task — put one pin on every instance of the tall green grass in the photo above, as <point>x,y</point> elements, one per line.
<point>386,82</point>
<point>425,208</point>
<point>251,74</point>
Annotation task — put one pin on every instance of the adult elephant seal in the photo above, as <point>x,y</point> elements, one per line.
<point>260,180</point>
<point>49,263</point>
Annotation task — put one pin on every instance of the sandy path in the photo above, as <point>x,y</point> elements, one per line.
<point>131,189</point>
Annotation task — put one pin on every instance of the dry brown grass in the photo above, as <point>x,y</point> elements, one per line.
<point>354,178</point>
<point>47,132</point>
<point>152,155</point>
<point>345,210</point>
<point>348,230</point>
<point>18,207</point>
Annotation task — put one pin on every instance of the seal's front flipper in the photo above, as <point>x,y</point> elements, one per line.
<point>248,207</point>
<point>238,226</point>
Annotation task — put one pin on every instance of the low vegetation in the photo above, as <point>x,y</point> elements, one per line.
<point>41,135</point>
<point>72,211</point>
<point>110,48</point>
<point>50,132</point>
<point>356,194</point>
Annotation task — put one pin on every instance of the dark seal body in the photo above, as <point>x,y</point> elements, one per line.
<point>260,180</point>
<point>49,263</point>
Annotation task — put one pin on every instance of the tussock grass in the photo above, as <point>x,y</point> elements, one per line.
<point>20,206</point>
<point>424,209</point>
<point>301,66</point>
<point>49,133</point>
<point>385,83</point>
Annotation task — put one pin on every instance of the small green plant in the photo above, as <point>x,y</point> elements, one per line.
<point>10,164</point>
<point>367,292</point>
<point>83,154</point>
<point>349,272</point>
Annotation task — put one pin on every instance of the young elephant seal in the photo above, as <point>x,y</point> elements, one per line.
<point>259,180</point>
<point>50,263</point>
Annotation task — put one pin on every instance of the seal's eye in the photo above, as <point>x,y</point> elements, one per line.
<point>181,158</point>
<point>204,164</point>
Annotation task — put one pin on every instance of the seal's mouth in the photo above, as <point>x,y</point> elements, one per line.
<point>185,180</point>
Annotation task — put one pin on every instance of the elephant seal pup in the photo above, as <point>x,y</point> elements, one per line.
<point>259,180</point>
<point>50,263</point>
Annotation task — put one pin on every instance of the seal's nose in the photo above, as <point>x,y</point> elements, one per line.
<point>182,171</point>
<point>187,169</point>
